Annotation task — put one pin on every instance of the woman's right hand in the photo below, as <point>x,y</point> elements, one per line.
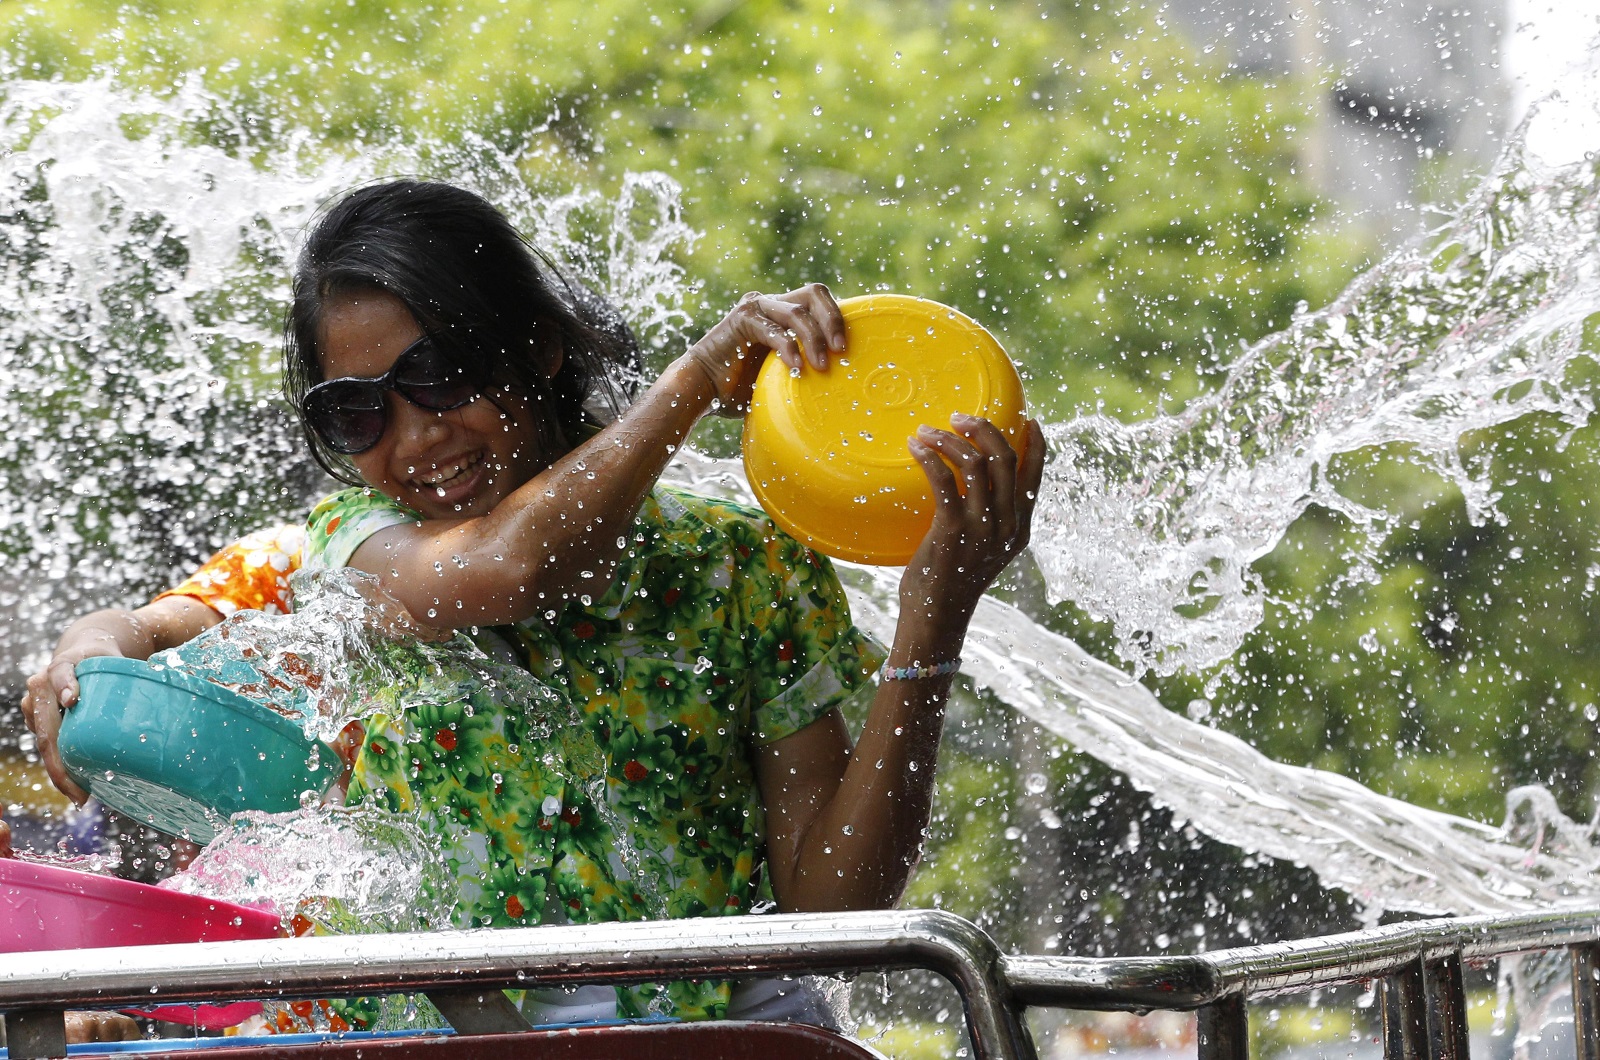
<point>802,324</point>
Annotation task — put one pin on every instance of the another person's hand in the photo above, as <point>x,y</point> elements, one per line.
<point>101,1027</point>
<point>802,324</point>
<point>982,520</point>
<point>138,634</point>
<point>54,689</point>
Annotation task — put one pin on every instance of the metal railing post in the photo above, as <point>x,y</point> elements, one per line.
<point>1224,1029</point>
<point>1405,1013</point>
<point>1447,1010</point>
<point>1586,1000</point>
<point>35,1034</point>
<point>479,1011</point>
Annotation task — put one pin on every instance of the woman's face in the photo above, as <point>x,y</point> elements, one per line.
<point>444,465</point>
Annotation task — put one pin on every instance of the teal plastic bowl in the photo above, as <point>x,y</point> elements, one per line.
<point>182,754</point>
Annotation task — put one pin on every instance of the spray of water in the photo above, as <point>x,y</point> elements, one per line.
<point>1388,854</point>
<point>1155,525</point>
<point>138,281</point>
<point>359,870</point>
<point>143,273</point>
<point>349,652</point>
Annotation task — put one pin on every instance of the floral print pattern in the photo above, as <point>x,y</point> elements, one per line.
<point>718,634</point>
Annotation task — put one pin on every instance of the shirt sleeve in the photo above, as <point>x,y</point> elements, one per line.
<point>340,523</point>
<point>807,658</point>
<point>252,574</point>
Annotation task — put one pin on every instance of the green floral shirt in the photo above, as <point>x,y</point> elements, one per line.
<point>718,634</point>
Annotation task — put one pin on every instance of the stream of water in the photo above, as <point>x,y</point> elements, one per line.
<point>139,280</point>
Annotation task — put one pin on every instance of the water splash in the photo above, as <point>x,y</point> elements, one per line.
<point>139,279</point>
<point>1155,525</point>
<point>143,271</point>
<point>347,644</point>
<point>350,651</point>
<point>1387,854</point>
<point>357,870</point>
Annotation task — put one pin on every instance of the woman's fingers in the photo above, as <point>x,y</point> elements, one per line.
<point>940,477</point>
<point>821,306</point>
<point>1000,461</point>
<point>797,322</point>
<point>800,327</point>
<point>1030,476</point>
<point>806,318</point>
<point>972,469</point>
<point>755,326</point>
<point>998,486</point>
<point>63,678</point>
<point>987,466</point>
<point>87,1027</point>
<point>986,491</point>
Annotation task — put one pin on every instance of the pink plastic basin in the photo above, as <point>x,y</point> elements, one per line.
<point>43,907</point>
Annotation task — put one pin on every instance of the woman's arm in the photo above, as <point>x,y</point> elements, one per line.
<point>845,827</point>
<point>138,634</point>
<point>561,534</point>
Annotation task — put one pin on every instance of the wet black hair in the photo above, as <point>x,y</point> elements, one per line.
<point>482,292</point>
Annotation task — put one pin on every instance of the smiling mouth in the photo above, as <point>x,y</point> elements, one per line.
<point>442,479</point>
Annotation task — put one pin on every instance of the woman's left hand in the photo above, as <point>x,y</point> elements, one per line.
<point>845,827</point>
<point>982,519</point>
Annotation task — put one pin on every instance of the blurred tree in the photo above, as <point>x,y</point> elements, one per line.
<point>1114,207</point>
<point>1120,211</point>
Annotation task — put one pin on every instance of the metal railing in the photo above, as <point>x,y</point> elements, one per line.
<point>1418,964</point>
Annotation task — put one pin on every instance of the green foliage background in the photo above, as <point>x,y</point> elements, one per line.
<point>1123,212</point>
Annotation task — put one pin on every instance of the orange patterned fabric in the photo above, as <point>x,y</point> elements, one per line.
<point>250,574</point>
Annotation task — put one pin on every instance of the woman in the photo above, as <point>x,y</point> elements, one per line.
<point>439,367</point>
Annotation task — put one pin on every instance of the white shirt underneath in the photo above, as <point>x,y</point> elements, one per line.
<point>770,1000</point>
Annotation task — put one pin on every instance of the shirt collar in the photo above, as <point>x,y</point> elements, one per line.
<point>670,525</point>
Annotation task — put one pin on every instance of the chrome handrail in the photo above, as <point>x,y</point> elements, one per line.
<point>350,965</point>
<point>1418,963</point>
<point>1192,981</point>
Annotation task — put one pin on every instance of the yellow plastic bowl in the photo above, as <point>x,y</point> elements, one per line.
<point>826,452</point>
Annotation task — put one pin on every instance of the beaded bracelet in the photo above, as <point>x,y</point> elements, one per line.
<point>911,673</point>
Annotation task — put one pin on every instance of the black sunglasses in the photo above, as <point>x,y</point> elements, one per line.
<point>350,415</point>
